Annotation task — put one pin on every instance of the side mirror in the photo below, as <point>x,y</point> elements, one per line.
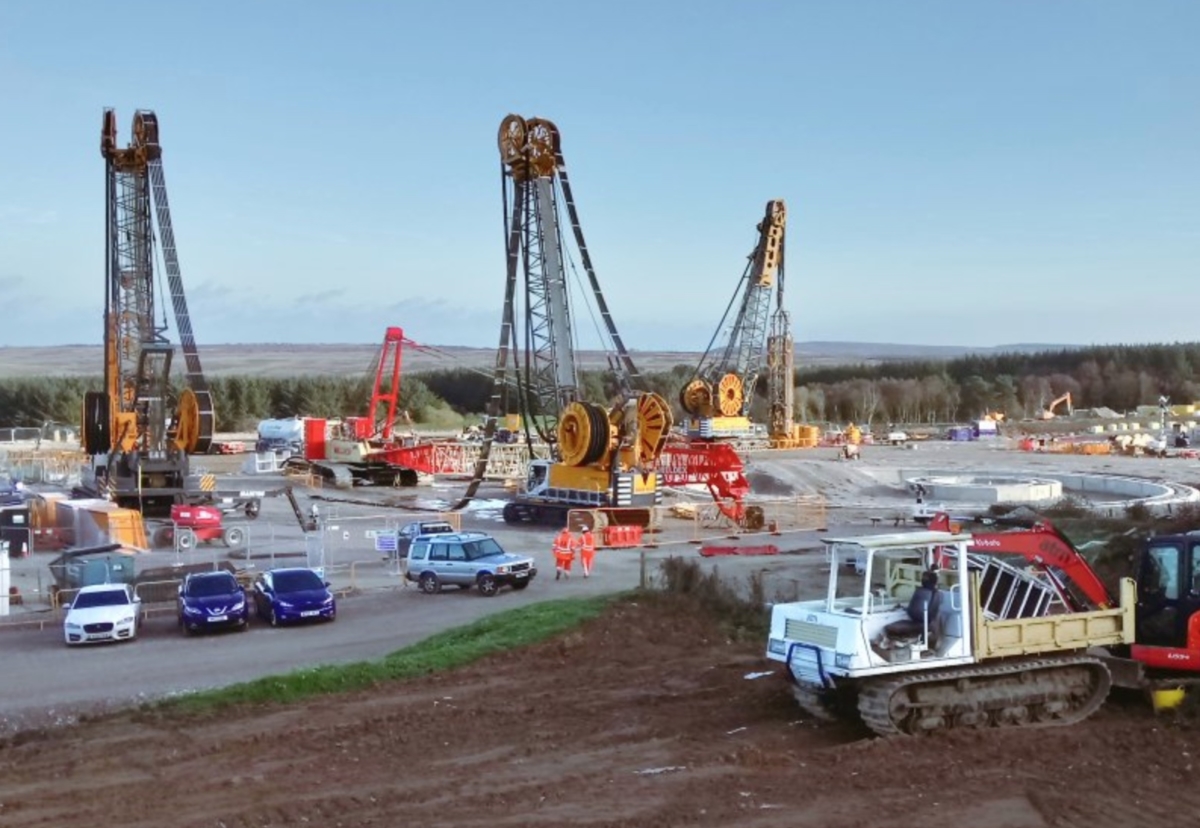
<point>327,583</point>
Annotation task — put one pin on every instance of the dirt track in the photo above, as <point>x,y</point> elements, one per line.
<point>644,717</point>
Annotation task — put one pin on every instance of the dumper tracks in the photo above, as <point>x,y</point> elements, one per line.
<point>1022,693</point>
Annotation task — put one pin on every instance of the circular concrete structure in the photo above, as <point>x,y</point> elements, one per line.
<point>1103,493</point>
<point>989,488</point>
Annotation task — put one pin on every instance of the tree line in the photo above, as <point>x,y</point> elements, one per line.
<point>1120,377</point>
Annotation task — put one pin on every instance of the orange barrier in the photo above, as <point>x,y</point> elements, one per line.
<point>620,536</point>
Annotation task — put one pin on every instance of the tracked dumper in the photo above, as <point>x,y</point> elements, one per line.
<point>920,635</point>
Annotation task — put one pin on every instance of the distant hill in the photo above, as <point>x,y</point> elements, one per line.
<point>840,353</point>
<point>283,359</point>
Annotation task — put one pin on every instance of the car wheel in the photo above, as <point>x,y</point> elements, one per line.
<point>430,584</point>
<point>487,586</point>
<point>520,585</point>
<point>186,539</point>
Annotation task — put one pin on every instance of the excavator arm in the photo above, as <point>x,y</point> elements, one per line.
<point>1042,545</point>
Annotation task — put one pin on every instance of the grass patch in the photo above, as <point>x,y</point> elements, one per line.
<point>453,648</point>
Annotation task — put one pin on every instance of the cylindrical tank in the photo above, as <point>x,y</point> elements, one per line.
<point>286,431</point>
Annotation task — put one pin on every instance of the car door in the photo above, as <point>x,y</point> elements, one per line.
<point>439,561</point>
<point>458,565</point>
<point>262,594</point>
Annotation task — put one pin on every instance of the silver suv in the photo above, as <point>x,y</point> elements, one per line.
<point>466,559</point>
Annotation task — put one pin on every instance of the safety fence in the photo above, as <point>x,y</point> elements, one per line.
<point>697,523</point>
<point>55,467</point>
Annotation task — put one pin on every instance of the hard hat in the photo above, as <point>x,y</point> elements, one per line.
<point>586,529</point>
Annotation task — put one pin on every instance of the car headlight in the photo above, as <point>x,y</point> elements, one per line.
<point>191,610</point>
<point>128,619</point>
<point>328,600</point>
<point>285,604</point>
<point>842,660</point>
<point>71,626</point>
<point>502,570</point>
<point>239,606</point>
<point>777,646</point>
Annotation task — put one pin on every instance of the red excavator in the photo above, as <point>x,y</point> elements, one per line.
<point>1168,586</point>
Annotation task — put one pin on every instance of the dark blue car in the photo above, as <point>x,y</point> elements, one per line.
<point>211,600</point>
<point>285,595</point>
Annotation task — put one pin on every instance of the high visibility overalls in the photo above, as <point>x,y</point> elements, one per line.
<point>564,553</point>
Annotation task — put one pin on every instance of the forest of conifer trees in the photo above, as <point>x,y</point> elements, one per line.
<point>1120,377</point>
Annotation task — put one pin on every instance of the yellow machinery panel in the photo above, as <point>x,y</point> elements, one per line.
<point>582,478</point>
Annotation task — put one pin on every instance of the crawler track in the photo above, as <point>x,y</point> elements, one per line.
<point>1025,693</point>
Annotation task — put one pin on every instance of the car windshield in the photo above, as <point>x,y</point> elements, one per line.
<point>482,549</point>
<point>296,581</point>
<point>203,587</point>
<point>103,598</point>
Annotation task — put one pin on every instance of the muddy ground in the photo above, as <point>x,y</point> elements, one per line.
<point>645,716</point>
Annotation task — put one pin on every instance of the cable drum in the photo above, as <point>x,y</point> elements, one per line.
<point>731,395</point>
<point>697,398</point>
<point>584,434</point>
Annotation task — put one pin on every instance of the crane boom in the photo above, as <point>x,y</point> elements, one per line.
<point>601,458</point>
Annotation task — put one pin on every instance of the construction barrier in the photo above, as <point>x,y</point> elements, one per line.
<point>622,537</point>
<point>695,522</point>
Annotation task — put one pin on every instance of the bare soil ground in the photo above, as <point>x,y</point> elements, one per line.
<point>645,716</point>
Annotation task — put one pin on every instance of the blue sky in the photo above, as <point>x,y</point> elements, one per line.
<point>968,173</point>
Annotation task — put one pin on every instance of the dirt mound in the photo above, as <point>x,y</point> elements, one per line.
<point>645,716</point>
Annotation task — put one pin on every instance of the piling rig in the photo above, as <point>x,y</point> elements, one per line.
<point>749,341</point>
<point>138,431</point>
<point>601,457</point>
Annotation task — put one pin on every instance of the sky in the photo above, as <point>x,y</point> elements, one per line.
<point>956,173</point>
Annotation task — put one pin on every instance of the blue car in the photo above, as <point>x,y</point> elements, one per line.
<point>210,601</point>
<point>285,595</point>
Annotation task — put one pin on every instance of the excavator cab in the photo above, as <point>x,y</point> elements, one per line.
<point>1168,590</point>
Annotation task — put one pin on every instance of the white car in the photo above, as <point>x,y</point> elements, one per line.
<point>103,612</point>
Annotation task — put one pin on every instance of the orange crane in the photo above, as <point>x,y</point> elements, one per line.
<point>138,432</point>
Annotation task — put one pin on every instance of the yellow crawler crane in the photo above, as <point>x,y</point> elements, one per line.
<point>747,343</point>
<point>602,456</point>
<point>139,431</point>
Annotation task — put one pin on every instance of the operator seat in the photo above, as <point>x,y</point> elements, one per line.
<point>925,598</point>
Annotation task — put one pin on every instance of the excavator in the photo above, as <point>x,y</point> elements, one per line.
<point>1049,412</point>
<point>1168,587</point>
<point>138,431</point>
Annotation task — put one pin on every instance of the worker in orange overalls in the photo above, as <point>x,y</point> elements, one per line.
<point>564,553</point>
<point>587,551</point>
